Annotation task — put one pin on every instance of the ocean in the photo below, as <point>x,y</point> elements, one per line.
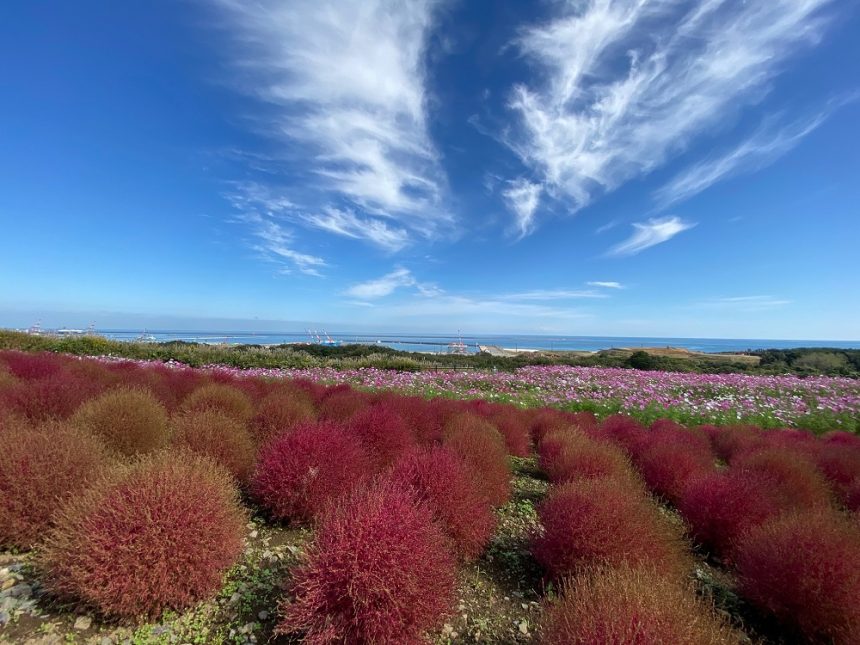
<point>439,343</point>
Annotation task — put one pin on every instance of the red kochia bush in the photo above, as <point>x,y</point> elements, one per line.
<point>300,472</point>
<point>158,534</point>
<point>512,425</point>
<point>622,605</point>
<point>422,417</point>
<point>440,478</point>
<point>279,412</point>
<point>786,476</point>
<point>376,572</point>
<point>605,522</point>
<point>383,433</point>
<point>480,444</point>
<point>30,366</point>
<point>579,457</point>
<point>53,397</point>
<point>218,436</point>
<point>804,568</point>
<point>341,403</point>
<point>840,464</point>
<point>223,398</point>
<point>729,440</point>
<point>129,421</point>
<point>720,506</point>
<point>667,467</point>
<point>39,469</point>
<point>623,430</point>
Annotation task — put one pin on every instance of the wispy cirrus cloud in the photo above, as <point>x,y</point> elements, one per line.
<point>522,198</point>
<point>605,284</point>
<point>342,90</point>
<point>381,287</point>
<point>274,243</point>
<point>761,149</point>
<point>650,233</point>
<point>744,303</point>
<point>628,84</point>
<point>554,294</point>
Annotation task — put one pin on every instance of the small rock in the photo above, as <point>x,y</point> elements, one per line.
<point>263,615</point>
<point>253,534</point>
<point>7,583</point>
<point>524,627</point>
<point>106,640</point>
<point>5,617</point>
<point>20,590</point>
<point>83,623</point>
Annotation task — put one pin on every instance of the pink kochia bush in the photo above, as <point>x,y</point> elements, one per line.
<point>605,522</point>
<point>41,467</point>
<point>621,605</point>
<point>377,572</point>
<point>440,478</point>
<point>154,535</point>
<point>302,471</point>
<point>804,569</point>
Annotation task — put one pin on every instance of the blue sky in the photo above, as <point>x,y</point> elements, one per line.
<point>626,167</point>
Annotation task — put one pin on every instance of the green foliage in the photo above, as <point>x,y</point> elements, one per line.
<point>641,361</point>
<point>803,362</point>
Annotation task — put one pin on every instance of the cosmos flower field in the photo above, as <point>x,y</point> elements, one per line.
<point>820,403</point>
<point>145,502</point>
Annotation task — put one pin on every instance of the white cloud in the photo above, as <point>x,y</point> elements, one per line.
<point>274,243</point>
<point>744,303</point>
<point>347,223</point>
<point>650,233</point>
<point>344,85</point>
<point>605,284</point>
<point>758,151</point>
<point>628,83</point>
<point>554,294</point>
<point>522,198</point>
<point>381,287</point>
<point>452,306</point>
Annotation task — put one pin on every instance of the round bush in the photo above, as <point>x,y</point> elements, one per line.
<point>719,506</point>
<point>279,412</point>
<point>840,465</point>
<point>667,467</point>
<point>512,425</point>
<point>580,457</point>
<point>222,438</point>
<point>621,605</point>
<point>341,403</point>
<point>440,478</point>
<point>483,448</point>
<point>383,433</point>
<point>787,476</point>
<point>623,430</point>
<point>376,572</point>
<point>39,469</point>
<point>300,472</point>
<point>605,522</point>
<point>32,366</point>
<point>154,535</point>
<point>804,569</point>
<point>222,398</point>
<point>129,421</point>
<point>732,439</point>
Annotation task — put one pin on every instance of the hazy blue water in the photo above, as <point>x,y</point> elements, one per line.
<point>439,343</point>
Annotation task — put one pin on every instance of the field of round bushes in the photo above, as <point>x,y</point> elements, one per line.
<point>130,495</point>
